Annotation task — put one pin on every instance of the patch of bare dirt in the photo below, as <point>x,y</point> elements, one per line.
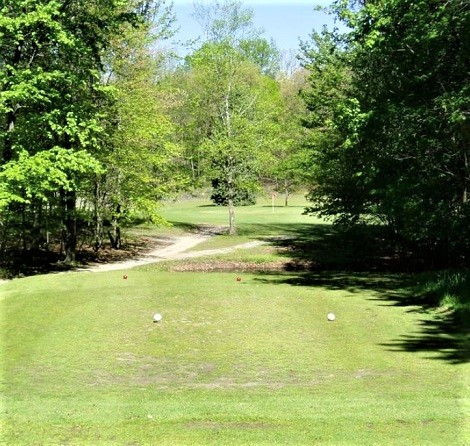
<point>131,250</point>
<point>227,265</point>
<point>153,250</point>
<point>146,250</point>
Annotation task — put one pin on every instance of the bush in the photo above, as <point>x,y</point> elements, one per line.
<point>243,197</point>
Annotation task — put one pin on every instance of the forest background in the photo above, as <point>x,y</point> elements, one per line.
<point>101,122</point>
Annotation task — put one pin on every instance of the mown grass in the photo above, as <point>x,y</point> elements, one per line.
<point>252,222</point>
<point>249,362</point>
<point>257,220</point>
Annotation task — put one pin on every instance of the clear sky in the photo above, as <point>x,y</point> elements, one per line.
<point>284,21</point>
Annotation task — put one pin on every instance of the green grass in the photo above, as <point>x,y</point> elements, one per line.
<point>250,362</point>
<point>260,220</point>
<point>448,289</point>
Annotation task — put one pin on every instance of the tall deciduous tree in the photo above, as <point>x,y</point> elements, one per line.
<point>333,186</point>
<point>54,106</point>
<point>233,125</point>
<point>289,168</point>
<point>403,139</point>
<point>142,160</point>
<point>50,90</point>
<point>412,74</point>
<point>226,21</point>
<point>241,125</point>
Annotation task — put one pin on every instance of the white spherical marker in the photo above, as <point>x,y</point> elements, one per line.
<point>157,317</point>
<point>331,316</point>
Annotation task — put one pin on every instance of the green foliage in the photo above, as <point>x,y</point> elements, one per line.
<point>228,109</point>
<point>52,100</point>
<point>329,78</point>
<point>335,190</point>
<point>55,62</point>
<point>447,290</point>
<point>143,159</point>
<point>39,176</point>
<point>262,53</point>
<point>394,143</point>
<point>287,170</point>
<point>243,197</point>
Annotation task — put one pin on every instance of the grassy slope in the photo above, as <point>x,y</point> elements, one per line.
<point>259,220</point>
<point>232,363</point>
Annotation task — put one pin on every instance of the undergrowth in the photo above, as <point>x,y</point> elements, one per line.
<point>447,290</point>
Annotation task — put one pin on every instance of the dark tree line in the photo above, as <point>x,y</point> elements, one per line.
<point>389,110</point>
<point>96,128</point>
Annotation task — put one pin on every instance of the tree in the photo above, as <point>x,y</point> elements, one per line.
<point>56,110</point>
<point>262,53</point>
<point>226,21</point>
<point>50,90</point>
<point>289,167</point>
<point>331,164</point>
<point>226,101</point>
<point>418,90</point>
<point>243,197</point>
<point>142,164</point>
<point>402,148</point>
<point>239,122</point>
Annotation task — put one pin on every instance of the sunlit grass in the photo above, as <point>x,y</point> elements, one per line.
<point>233,362</point>
<point>259,216</point>
<point>257,222</point>
<point>240,358</point>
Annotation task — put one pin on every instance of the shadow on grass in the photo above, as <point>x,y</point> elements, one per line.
<point>325,247</point>
<point>361,260</point>
<point>200,228</point>
<point>445,337</point>
<point>187,227</point>
<point>444,332</point>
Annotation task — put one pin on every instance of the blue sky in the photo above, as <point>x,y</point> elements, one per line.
<point>281,20</point>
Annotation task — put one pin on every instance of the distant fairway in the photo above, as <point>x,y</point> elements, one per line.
<point>249,362</point>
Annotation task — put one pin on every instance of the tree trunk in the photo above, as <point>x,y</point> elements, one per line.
<point>286,194</point>
<point>24,225</point>
<point>115,232</point>
<point>36,230</point>
<point>466,161</point>
<point>7,146</point>
<point>115,235</point>
<point>227,118</point>
<point>231,217</point>
<point>466,180</point>
<point>231,208</point>
<point>98,231</point>
<point>69,202</point>
<point>98,217</point>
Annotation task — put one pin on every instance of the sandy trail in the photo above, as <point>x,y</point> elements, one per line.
<point>177,250</point>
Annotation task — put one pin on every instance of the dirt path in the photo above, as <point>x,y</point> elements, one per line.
<point>177,250</point>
